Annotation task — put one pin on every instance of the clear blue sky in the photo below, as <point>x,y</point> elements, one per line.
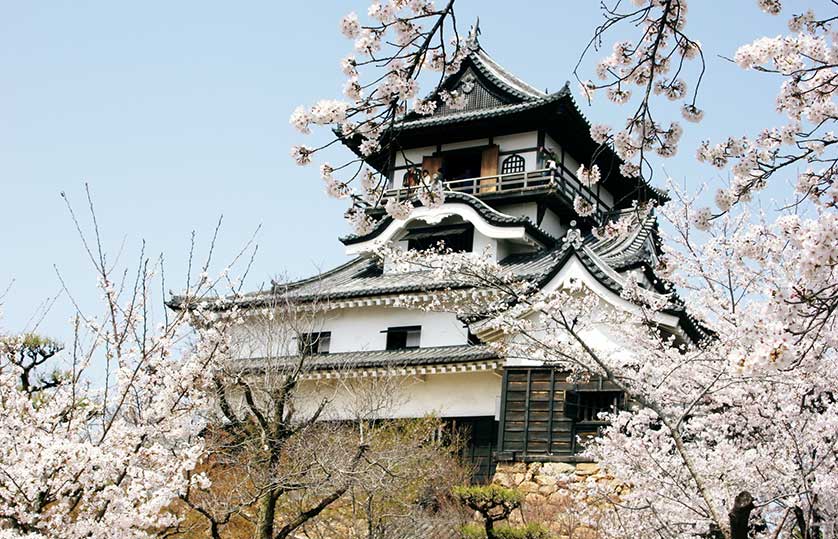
<point>177,112</point>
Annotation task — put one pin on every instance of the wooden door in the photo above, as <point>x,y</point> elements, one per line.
<point>489,167</point>
<point>432,165</point>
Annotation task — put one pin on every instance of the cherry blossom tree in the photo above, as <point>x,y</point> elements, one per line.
<point>402,41</point>
<point>99,435</point>
<point>288,453</point>
<point>735,435</point>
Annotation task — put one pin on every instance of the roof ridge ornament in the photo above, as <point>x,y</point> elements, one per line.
<point>573,236</point>
<point>473,32</point>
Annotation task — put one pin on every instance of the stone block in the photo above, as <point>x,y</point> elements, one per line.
<point>533,498</point>
<point>503,479</point>
<point>557,468</point>
<point>586,468</point>
<point>527,487</point>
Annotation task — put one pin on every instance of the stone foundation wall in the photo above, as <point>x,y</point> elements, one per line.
<point>555,494</point>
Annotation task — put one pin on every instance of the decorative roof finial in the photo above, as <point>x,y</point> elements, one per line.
<point>573,236</point>
<point>473,32</point>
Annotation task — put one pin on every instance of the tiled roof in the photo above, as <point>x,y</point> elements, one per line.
<point>363,276</point>
<point>501,76</point>
<point>495,92</point>
<point>633,249</point>
<point>479,113</point>
<point>409,357</point>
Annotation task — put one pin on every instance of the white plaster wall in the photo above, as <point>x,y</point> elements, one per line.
<point>530,160</point>
<point>465,144</point>
<point>484,245</point>
<point>551,144</point>
<point>356,329</point>
<point>360,328</point>
<point>389,266</point>
<point>550,223</point>
<point>599,337</point>
<point>506,143</point>
<point>414,155</point>
<point>444,395</point>
<point>517,141</point>
<point>525,209</point>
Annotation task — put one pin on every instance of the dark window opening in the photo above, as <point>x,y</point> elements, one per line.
<point>477,437</point>
<point>314,343</point>
<point>513,163</point>
<point>457,238</point>
<point>585,406</point>
<point>405,337</point>
<point>462,164</point>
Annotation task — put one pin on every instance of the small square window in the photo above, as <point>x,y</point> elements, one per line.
<point>399,338</point>
<point>314,343</point>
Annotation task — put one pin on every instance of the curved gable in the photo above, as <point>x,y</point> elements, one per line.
<point>486,220</point>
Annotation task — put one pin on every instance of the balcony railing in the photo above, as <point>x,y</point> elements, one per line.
<point>560,179</point>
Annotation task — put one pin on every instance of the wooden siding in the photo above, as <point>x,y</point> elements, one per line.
<point>534,421</point>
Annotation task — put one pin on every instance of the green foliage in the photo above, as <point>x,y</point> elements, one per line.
<point>472,531</point>
<point>30,353</point>
<point>530,531</point>
<point>486,497</point>
<point>495,503</point>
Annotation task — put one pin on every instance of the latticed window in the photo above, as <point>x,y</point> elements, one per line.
<point>513,163</point>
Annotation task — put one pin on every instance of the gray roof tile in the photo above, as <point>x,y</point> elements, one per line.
<point>411,357</point>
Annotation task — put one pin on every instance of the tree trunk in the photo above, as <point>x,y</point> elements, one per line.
<point>740,514</point>
<point>490,527</point>
<point>267,515</point>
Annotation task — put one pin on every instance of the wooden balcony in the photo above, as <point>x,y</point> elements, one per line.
<point>559,180</point>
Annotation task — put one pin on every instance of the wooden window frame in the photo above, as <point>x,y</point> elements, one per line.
<point>514,159</point>
<point>313,341</point>
<point>406,330</point>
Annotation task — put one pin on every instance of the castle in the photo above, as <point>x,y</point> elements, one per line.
<point>508,160</point>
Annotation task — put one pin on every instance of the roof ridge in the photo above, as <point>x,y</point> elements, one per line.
<point>313,278</point>
<point>416,120</point>
<point>499,74</point>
